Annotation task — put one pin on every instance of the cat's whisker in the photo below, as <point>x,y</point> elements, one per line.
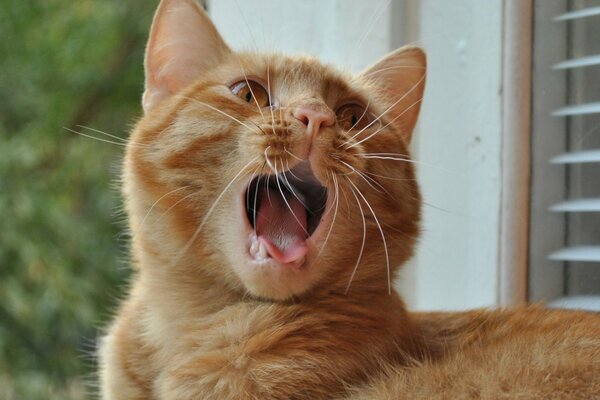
<point>269,92</point>
<point>269,175</point>
<point>253,176</point>
<point>285,200</point>
<point>288,185</point>
<point>389,177</point>
<point>158,201</point>
<point>196,233</point>
<point>103,133</point>
<point>293,155</point>
<point>252,93</point>
<point>362,115</point>
<point>336,200</point>
<point>364,177</point>
<point>289,170</point>
<point>391,107</point>
<point>387,257</point>
<point>388,124</point>
<point>385,156</point>
<point>268,161</point>
<point>395,67</point>
<point>255,209</point>
<point>220,112</point>
<point>258,127</point>
<point>103,140</point>
<point>161,216</point>
<point>372,22</point>
<point>364,238</point>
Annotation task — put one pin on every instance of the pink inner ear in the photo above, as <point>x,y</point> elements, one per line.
<point>183,44</point>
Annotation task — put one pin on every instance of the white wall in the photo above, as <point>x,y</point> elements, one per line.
<point>458,138</point>
<point>336,31</point>
<point>460,130</point>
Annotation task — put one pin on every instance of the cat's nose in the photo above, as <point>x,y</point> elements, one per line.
<point>314,117</point>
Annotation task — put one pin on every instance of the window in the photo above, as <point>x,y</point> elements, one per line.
<point>565,199</point>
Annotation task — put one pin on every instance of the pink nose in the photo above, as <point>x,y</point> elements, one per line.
<point>314,117</point>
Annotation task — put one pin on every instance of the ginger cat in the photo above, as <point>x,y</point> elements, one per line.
<point>271,200</point>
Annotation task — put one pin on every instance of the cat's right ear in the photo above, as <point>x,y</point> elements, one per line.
<point>183,43</point>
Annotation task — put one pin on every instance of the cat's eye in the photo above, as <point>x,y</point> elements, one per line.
<point>251,92</point>
<point>353,116</point>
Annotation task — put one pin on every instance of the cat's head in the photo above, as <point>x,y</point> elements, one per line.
<point>278,176</point>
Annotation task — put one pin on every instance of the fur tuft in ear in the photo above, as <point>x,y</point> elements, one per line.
<point>401,76</point>
<point>183,43</point>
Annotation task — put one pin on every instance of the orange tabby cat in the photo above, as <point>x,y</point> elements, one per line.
<point>270,201</point>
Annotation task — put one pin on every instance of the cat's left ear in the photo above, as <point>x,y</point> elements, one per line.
<point>183,44</point>
<point>401,78</point>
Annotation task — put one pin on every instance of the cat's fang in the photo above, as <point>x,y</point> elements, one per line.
<point>262,251</point>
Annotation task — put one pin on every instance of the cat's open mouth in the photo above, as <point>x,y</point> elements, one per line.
<point>284,210</point>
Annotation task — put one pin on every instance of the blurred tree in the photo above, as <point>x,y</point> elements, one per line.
<point>64,64</point>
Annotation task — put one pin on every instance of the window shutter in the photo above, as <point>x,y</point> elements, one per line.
<point>565,233</point>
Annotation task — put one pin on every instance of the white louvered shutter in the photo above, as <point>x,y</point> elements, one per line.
<point>565,203</point>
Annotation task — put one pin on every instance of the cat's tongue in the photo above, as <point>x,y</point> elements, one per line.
<point>281,232</point>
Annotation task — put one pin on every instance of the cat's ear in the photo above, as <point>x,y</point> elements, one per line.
<point>183,43</point>
<point>400,76</point>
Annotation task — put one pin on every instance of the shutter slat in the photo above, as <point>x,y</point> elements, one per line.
<point>579,109</point>
<point>587,302</point>
<point>578,62</point>
<point>586,12</point>
<point>577,157</point>
<point>581,253</point>
<point>577,205</point>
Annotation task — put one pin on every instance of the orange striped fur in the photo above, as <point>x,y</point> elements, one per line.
<point>203,320</point>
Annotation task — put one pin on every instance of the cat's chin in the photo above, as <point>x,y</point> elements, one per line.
<point>282,240</point>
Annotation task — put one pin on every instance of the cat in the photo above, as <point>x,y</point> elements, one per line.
<point>271,199</point>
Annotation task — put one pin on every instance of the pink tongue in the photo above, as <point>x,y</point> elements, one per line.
<point>281,232</point>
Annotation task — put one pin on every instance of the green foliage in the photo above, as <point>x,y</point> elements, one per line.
<point>64,64</point>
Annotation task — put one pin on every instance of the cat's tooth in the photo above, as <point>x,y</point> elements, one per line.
<point>262,251</point>
<point>254,248</point>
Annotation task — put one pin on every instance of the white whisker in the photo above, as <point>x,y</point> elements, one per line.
<point>285,200</point>
<point>220,112</point>
<point>104,140</point>
<point>364,177</point>
<point>387,257</point>
<point>269,92</point>
<point>103,133</point>
<point>388,124</point>
<point>389,177</point>
<point>157,201</point>
<point>372,22</point>
<point>293,155</point>
<point>386,111</point>
<point>175,205</point>
<point>362,246</point>
<point>288,185</point>
<point>336,200</point>
<point>194,236</point>
<point>252,93</point>
<point>255,208</point>
<point>289,170</point>
<point>408,160</point>
<point>396,67</point>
